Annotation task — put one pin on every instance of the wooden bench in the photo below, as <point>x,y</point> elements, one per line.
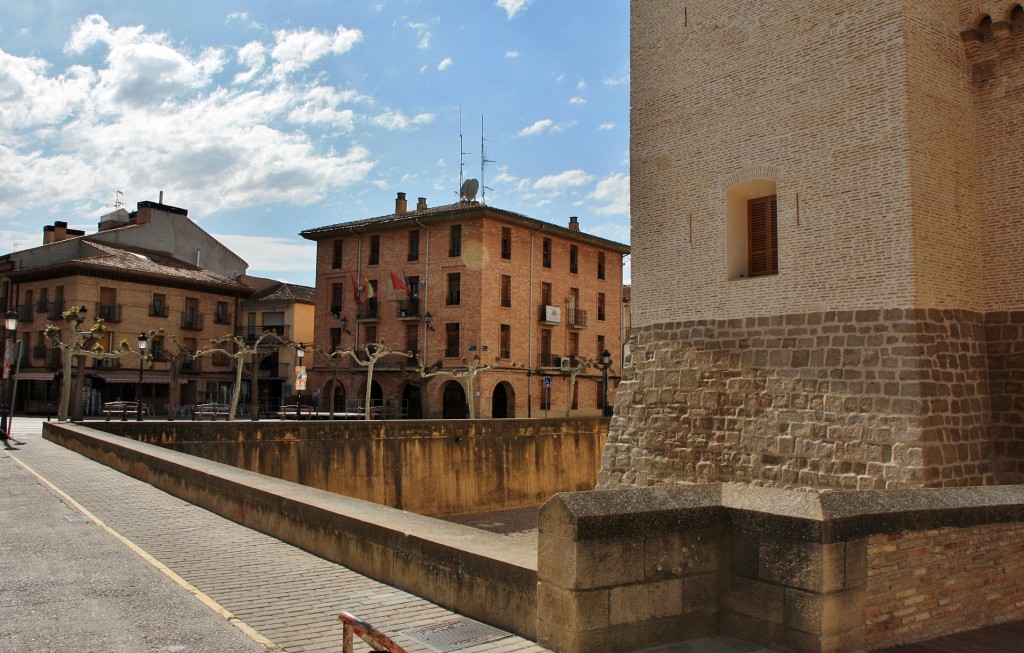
<point>213,411</point>
<point>122,408</point>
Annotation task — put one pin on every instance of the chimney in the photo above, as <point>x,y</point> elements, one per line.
<point>59,231</point>
<point>421,204</point>
<point>401,206</point>
<point>574,223</point>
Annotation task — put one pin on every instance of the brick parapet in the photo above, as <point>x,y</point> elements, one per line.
<point>891,398</point>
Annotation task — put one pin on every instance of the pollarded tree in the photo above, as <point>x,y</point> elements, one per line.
<point>242,351</point>
<point>175,360</point>
<point>79,344</point>
<point>371,353</point>
<point>333,360</point>
<point>470,372</point>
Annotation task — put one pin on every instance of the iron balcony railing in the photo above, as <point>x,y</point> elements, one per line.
<point>576,317</point>
<point>108,312</point>
<point>368,310</point>
<point>222,317</point>
<point>251,333</point>
<point>55,310</point>
<point>191,321</point>
<point>158,309</point>
<point>25,313</point>
<point>409,308</point>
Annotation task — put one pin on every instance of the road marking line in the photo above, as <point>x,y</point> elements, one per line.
<point>251,632</point>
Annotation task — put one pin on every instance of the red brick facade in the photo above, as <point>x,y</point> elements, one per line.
<point>483,275</point>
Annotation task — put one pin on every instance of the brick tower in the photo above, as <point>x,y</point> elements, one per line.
<point>828,220</point>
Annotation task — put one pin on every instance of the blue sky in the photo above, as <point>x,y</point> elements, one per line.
<point>267,118</point>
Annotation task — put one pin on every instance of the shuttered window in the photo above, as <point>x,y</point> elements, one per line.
<point>763,239</point>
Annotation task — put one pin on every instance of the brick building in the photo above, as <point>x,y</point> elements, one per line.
<point>467,285</point>
<point>829,209</point>
<point>147,270</point>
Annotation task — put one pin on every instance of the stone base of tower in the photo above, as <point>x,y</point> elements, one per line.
<point>869,399</point>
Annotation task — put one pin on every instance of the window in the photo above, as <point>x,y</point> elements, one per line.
<point>454,296</point>
<point>451,345</point>
<point>222,315</point>
<point>371,334</point>
<point>600,308</point>
<point>336,257</point>
<point>505,342</point>
<point>506,243</point>
<point>545,294</point>
<point>751,228</point>
<point>414,245</point>
<point>506,291</point>
<point>335,338</point>
<point>546,252</point>
<point>762,236</point>
<point>159,306</point>
<point>108,310</point>
<point>44,299</point>
<point>190,318</point>
<point>374,250</point>
<point>574,343</point>
<point>600,265</point>
<point>156,349</point>
<point>545,348</point>
<point>412,338</point>
<point>455,240</point>
<point>574,259</point>
<point>337,295</point>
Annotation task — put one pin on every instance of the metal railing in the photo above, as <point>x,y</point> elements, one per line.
<point>409,308</point>
<point>158,309</point>
<point>576,317</point>
<point>368,310</point>
<point>108,312</point>
<point>192,321</point>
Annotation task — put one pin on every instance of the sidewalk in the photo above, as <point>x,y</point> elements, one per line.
<point>74,583</point>
<point>93,560</point>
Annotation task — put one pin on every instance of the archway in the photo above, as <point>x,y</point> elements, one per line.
<point>338,390</point>
<point>412,402</point>
<point>503,401</point>
<point>454,401</point>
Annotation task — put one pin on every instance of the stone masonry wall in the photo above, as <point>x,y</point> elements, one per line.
<point>926,583</point>
<point>866,399</point>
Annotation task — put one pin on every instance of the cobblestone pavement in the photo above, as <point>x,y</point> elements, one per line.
<point>287,598</point>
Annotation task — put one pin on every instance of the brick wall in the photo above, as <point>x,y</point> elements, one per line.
<point>929,583</point>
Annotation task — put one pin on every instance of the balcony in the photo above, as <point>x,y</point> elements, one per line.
<point>221,317</point>
<point>107,364</point>
<point>409,309</point>
<point>576,318</point>
<point>453,298</point>
<point>192,321</point>
<point>368,310</point>
<point>550,315</point>
<point>108,313</point>
<point>192,366</point>
<point>557,362</point>
<point>158,356</point>
<point>42,305</point>
<point>158,309</point>
<point>251,333</point>
<point>55,310</point>
<point>25,313</point>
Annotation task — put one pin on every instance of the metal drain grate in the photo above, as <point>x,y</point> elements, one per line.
<point>455,634</point>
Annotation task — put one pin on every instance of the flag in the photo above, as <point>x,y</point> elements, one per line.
<point>367,288</point>
<point>356,292</point>
<point>400,283</point>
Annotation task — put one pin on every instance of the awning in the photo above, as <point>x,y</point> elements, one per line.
<point>128,378</point>
<point>34,376</point>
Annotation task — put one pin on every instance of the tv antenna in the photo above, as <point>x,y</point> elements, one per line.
<point>483,163</point>
<point>118,200</point>
<point>462,156</point>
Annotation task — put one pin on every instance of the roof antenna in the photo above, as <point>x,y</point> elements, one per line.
<point>483,163</point>
<point>462,157</point>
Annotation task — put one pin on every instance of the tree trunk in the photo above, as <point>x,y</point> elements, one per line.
<point>66,384</point>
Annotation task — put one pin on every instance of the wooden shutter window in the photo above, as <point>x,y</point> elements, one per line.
<point>763,255</point>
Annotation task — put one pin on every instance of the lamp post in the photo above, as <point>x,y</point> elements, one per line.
<point>606,362</point>
<point>11,325</point>
<point>300,353</point>
<point>344,327</point>
<point>143,341</point>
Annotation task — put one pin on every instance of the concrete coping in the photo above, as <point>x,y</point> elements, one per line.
<point>431,531</point>
<point>828,516</point>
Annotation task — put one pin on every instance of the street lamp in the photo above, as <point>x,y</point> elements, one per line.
<point>11,325</point>
<point>606,362</point>
<point>143,341</point>
<point>427,319</point>
<point>300,353</point>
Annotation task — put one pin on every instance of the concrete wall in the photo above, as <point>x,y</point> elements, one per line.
<point>427,467</point>
<point>479,574</point>
<point>794,571</point>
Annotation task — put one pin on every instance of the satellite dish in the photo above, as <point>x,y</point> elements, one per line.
<point>468,191</point>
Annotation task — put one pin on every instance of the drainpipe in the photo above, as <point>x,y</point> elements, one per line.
<point>425,284</point>
<point>529,363</point>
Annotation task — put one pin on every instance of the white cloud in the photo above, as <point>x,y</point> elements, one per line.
<point>615,81</point>
<point>612,193</point>
<point>398,121</point>
<point>511,54</point>
<point>151,113</point>
<point>563,180</point>
<point>578,100</point>
<point>297,49</point>
<point>581,85</point>
<point>445,64</point>
<point>271,254</point>
<point>617,231</point>
<point>606,125</point>
<point>513,7</point>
